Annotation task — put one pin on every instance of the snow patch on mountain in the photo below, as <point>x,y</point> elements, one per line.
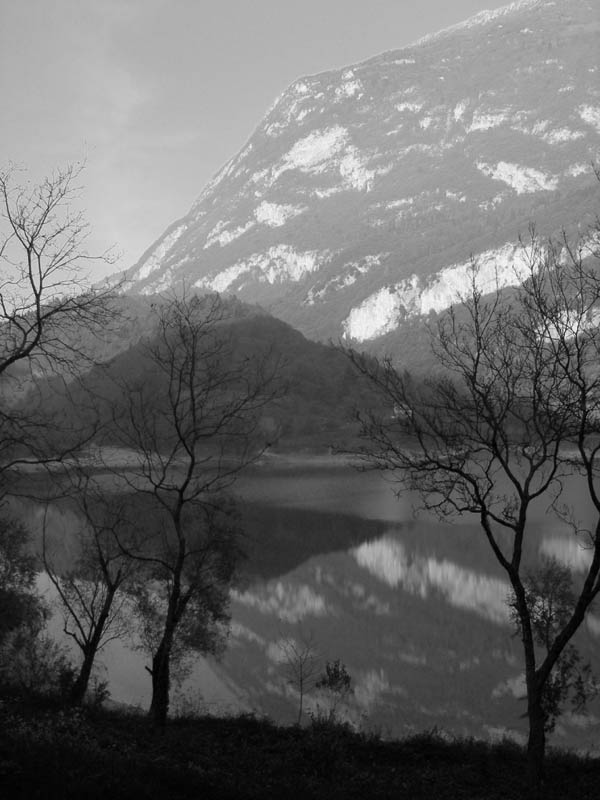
<point>591,115</point>
<point>155,259</point>
<point>324,150</point>
<point>355,173</point>
<point>276,214</point>
<point>459,197</point>
<point>523,180</point>
<point>485,121</point>
<point>375,316</point>
<point>493,269</point>
<point>414,108</point>
<point>224,237</point>
<point>323,193</point>
<point>272,214</point>
<point>314,151</point>
<point>279,263</point>
<point>163,283</point>
<point>350,88</point>
<point>352,271</point>
<point>543,129</point>
<point>382,311</point>
<point>459,110</point>
<point>560,135</point>
<point>400,203</point>
<point>223,280</point>
<point>284,263</point>
<point>578,169</point>
<point>487,205</point>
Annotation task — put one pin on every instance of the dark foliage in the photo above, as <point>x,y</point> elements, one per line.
<point>317,410</point>
<point>46,752</point>
<point>18,602</point>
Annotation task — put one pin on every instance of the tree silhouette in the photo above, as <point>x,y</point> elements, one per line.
<point>191,416</point>
<point>511,414</point>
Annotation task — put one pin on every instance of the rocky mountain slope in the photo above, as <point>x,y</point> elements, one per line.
<point>354,208</point>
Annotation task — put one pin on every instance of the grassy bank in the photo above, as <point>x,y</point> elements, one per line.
<point>46,752</point>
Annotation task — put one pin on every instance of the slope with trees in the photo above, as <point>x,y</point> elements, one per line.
<point>193,431</point>
<point>510,415</point>
<point>315,412</point>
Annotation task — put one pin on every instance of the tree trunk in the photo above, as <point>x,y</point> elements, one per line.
<point>159,706</point>
<point>161,661</point>
<point>536,744</point>
<point>82,681</point>
<point>301,704</point>
<point>79,688</point>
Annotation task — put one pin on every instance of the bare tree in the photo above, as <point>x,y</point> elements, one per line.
<point>512,412</point>
<point>192,419</point>
<point>92,589</point>
<point>46,308</point>
<point>301,665</point>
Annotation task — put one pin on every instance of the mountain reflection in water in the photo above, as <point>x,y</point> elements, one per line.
<point>388,560</point>
<point>415,609</point>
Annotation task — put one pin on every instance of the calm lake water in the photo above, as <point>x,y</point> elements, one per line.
<point>415,609</point>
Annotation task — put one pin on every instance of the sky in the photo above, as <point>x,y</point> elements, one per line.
<point>156,95</point>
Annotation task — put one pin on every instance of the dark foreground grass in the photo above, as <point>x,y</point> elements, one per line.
<point>46,752</point>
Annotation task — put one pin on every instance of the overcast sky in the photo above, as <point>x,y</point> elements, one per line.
<point>158,94</point>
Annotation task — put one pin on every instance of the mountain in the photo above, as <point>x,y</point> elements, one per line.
<point>354,208</point>
<point>320,390</point>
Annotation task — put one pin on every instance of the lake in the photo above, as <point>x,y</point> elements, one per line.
<point>415,609</point>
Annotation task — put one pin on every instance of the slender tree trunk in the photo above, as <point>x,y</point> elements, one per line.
<point>82,681</point>
<point>536,744</point>
<point>79,688</point>
<point>159,706</point>
<point>301,704</point>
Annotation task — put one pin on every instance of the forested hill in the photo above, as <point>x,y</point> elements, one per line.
<point>320,389</point>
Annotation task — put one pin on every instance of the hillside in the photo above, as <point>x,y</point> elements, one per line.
<point>319,388</point>
<point>354,208</point>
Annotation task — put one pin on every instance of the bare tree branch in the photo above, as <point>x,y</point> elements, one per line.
<point>511,413</point>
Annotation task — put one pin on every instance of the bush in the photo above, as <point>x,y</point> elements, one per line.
<point>32,663</point>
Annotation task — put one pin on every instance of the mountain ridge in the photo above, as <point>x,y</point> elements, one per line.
<point>314,404</point>
<point>358,200</point>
